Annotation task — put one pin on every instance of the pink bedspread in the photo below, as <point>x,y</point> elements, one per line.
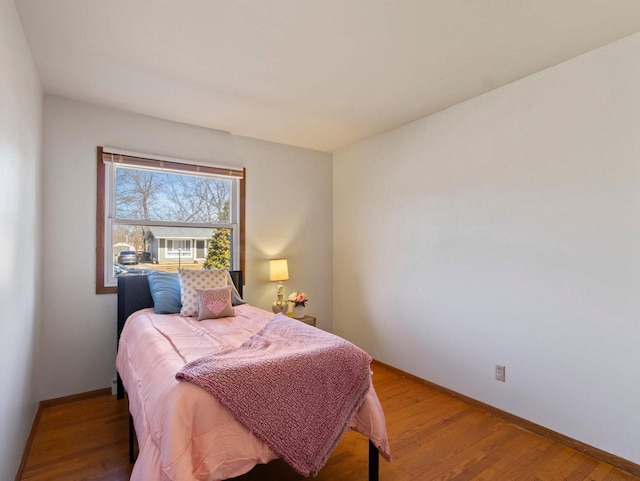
<point>183,432</point>
<point>294,386</point>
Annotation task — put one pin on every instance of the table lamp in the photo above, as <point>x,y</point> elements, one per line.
<point>279,271</point>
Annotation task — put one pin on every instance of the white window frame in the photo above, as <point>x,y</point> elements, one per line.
<point>110,219</point>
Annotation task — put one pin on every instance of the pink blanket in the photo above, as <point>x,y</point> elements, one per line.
<point>294,386</point>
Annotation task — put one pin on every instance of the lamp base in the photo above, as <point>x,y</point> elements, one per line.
<point>279,306</point>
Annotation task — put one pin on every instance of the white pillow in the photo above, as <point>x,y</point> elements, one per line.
<point>192,279</point>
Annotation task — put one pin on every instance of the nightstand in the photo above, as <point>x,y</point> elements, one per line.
<point>306,319</point>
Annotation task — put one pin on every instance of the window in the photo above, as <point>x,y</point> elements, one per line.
<point>170,213</point>
<point>176,247</point>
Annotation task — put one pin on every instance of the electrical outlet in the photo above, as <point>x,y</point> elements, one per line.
<point>500,373</point>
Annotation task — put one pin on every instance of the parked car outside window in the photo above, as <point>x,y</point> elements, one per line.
<point>127,257</point>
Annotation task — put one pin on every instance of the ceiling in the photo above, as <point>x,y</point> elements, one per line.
<point>320,74</point>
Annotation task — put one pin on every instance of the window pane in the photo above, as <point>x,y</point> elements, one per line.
<point>168,248</point>
<point>137,199</point>
<point>165,196</point>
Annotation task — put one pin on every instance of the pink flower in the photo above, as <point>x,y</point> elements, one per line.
<point>298,298</point>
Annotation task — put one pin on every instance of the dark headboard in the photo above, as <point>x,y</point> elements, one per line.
<point>134,294</point>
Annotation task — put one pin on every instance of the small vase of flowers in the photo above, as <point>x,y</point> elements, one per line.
<point>299,300</point>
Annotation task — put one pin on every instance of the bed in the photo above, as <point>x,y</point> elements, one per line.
<point>183,432</point>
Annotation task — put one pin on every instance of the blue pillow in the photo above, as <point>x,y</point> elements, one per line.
<point>165,291</point>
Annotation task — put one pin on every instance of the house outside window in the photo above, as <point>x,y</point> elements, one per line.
<point>171,213</point>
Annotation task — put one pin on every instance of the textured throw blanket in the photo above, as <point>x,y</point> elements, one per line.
<point>294,386</point>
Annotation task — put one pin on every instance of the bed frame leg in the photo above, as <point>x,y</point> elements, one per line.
<point>374,462</point>
<point>119,387</point>
<point>131,430</point>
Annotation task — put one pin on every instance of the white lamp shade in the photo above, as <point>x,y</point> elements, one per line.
<point>278,270</point>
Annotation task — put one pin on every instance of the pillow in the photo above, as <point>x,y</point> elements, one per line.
<point>214,303</point>
<point>165,291</point>
<point>236,300</point>
<point>192,279</point>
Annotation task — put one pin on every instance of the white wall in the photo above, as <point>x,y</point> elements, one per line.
<point>506,230</point>
<point>288,213</point>
<point>20,164</point>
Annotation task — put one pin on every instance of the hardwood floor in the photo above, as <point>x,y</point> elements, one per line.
<point>433,437</point>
